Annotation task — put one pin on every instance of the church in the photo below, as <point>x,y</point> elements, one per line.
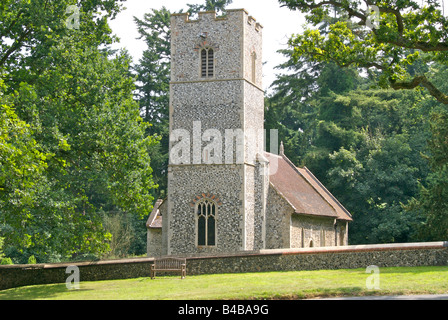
<point>225,193</point>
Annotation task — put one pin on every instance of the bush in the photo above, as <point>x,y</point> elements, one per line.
<point>6,261</point>
<point>32,260</point>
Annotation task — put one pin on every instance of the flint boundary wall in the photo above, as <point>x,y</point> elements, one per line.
<point>347,257</point>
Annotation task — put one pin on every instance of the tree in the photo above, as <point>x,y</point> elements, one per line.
<point>209,5</point>
<point>364,144</point>
<point>431,203</point>
<point>153,76</point>
<point>78,99</point>
<point>22,169</point>
<point>30,28</point>
<point>293,106</point>
<point>22,163</point>
<point>1,249</point>
<point>408,33</point>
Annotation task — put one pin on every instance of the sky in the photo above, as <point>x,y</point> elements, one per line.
<point>278,25</point>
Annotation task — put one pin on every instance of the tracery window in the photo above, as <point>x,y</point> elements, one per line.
<point>206,212</point>
<point>207,63</point>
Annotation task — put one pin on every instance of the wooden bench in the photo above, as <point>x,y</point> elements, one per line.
<point>169,264</point>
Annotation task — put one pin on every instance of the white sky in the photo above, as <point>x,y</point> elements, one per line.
<point>279,24</point>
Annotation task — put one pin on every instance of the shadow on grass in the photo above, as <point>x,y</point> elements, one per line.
<point>36,292</point>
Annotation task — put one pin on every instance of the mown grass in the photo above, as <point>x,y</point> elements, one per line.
<point>267,285</point>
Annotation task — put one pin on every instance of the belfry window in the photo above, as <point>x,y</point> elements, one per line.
<point>206,223</point>
<point>207,63</point>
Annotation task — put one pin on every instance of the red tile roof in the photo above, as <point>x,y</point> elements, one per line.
<point>302,190</point>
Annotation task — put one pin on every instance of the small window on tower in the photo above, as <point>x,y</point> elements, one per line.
<point>254,66</point>
<point>207,63</point>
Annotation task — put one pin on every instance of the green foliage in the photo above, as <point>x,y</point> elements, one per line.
<point>21,161</point>
<point>432,203</point>
<point>209,5</point>
<point>6,261</point>
<point>363,143</point>
<point>153,76</point>
<point>32,260</point>
<point>382,153</point>
<point>408,34</point>
<point>374,163</point>
<point>75,130</point>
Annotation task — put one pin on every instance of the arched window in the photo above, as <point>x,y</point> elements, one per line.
<point>311,243</point>
<point>206,223</point>
<point>207,63</point>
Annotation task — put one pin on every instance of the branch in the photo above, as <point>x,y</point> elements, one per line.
<point>441,46</point>
<point>7,31</point>
<point>417,81</point>
<point>14,47</point>
<point>424,82</point>
<point>334,3</point>
<point>400,41</point>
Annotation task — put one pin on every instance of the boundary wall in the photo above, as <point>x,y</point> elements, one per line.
<point>347,257</point>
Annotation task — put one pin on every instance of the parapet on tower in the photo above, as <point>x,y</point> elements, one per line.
<point>236,41</point>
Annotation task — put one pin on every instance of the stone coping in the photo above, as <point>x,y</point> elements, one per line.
<point>338,249</point>
<point>299,251</point>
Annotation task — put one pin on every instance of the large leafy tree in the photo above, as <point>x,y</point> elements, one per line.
<point>371,162</point>
<point>405,33</point>
<point>364,144</point>
<point>379,170</point>
<point>29,28</point>
<point>77,99</point>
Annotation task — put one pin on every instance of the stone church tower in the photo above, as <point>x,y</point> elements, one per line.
<point>216,88</point>
<point>224,192</point>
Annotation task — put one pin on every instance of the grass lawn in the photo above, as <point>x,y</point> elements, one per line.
<point>267,285</point>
